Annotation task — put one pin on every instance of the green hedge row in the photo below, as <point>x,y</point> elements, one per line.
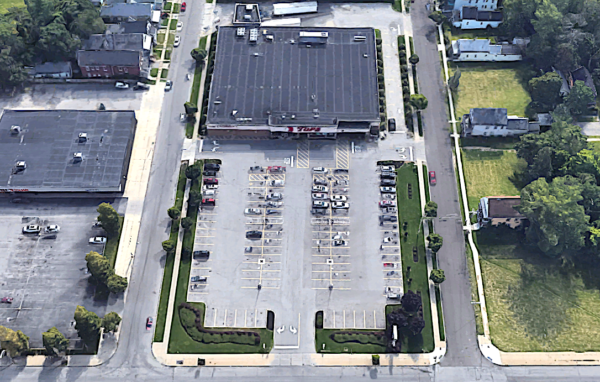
<point>365,338</point>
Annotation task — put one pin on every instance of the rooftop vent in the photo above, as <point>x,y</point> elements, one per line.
<point>360,38</point>
<point>293,116</point>
<point>234,112</point>
<point>77,157</point>
<point>21,165</point>
<point>83,137</point>
<point>247,17</point>
<point>14,129</point>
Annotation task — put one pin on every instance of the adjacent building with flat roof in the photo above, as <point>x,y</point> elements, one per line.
<point>65,150</point>
<point>286,81</point>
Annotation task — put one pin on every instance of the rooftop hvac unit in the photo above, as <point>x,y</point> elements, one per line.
<point>253,35</point>
<point>247,17</point>
<point>249,7</point>
<point>77,157</point>
<point>14,129</point>
<point>21,165</point>
<point>82,137</point>
<point>241,32</point>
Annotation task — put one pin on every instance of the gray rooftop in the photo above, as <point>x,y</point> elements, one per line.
<point>489,116</point>
<point>267,80</point>
<point>53,67</point>
<point>142,26</point>
<point>474,45</point>
<point>110,41</point>
<point>108,57</point>
<point>133,10</point>
<point>48,140</point>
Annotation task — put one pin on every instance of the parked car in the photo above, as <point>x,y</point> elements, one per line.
<point>275,196</point>
<point>391,124</point>
<point>338,198</point>
<point>208,202</point>
<point>6,300</point>
<point>320,204</point>
<point>210,181</point>
<point>388,239</point>
<point>209,173</point>
<point>320,182</point>
<point>339,243</point>
<point>97,240</point>
<point>253,234</point>
<point>121,85</point>
<point>183,6</point>
<point>276,183</point>
<point>387,175</point>
<point>387,189</point>
<point>53,228</point>
<point>387,182</point>
<point>432,179</point>
<point>320,196</point>
<point>387,168</point>
<point>197,255</point>
<point>319,170</point>
<point>97,225</point>
<point>319,188</point>
<point>177,41</point>
<point>272,212</point>
<point>318,211</point>
<point>340,205</point>
<point>256,168</point>
<point>32,228</point>
<point>210,187</point>
<point>141,86</point>
<point>248,249</point>
<point>274,204</point>
<point>168,85</point>
<point>276,169</point>
<point>253,211</point>
<point>198,279</point>
<point>390,209</point>
<point>212,166</point>
<point>387,203</point>
<point>179,26</point>
<point>149,322</point>
<point>340,171</point>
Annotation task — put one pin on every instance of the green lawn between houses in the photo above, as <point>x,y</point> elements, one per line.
<point>6,4</point>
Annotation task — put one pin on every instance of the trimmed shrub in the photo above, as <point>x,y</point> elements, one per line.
<point>380,77</point>
<point>405,89</point>
<point>402,53</point>
<point>404,82</point>
<point>404,67</point>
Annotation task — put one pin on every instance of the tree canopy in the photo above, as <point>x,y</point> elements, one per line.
<point>54,341</point>
<point>109,218</point>
<point>111,321</point>
<point>87,324</point>
<point>14,342</point>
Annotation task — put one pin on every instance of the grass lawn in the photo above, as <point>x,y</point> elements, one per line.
<point>489,173</point>
<point>417,280</point>
<point>168,271</point>
<point>594,145</point>
<point>112,245</point>
<point>6,4</point>
<point>322,337</point>
<point>173,24</point>
<point>533,303</point>
<point>164,73</point>
<point>171,39</point>
<point>491,85</point>
<point>168,54</point>
<point>160,38</point>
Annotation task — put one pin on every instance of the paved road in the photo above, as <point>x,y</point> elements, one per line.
<point>458,311</point>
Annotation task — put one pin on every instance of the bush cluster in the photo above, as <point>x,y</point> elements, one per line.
<point>365,338</point>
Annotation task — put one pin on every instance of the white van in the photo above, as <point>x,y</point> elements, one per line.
<point>208,192</point>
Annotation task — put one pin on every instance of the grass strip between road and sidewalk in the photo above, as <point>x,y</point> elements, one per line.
<point>112,245</point>
<point>195,95</point>
<point>168,271</point>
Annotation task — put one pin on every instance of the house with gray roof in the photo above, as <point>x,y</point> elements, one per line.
<point>484,50</point>
<point>116,13</point>
<point>126,41</point>
<point>471,17</point>
<point>495,122</point>
<point>52,70</point>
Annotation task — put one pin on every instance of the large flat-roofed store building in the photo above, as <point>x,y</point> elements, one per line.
<point>65,151</point>
<point>287,81</point>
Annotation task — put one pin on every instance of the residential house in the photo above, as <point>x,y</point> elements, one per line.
<point>111,41</point>
<point>53,70</point>
<point>579,74</point>
<point>484,50</point>
<point>470,17</point>
<point>496,210</point>
<point>142,26</point>
<point>482,5</point>
<point>495,122</point>
<point>110,63</point>
<point>116,13</point>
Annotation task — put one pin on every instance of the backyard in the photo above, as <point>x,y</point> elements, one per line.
<point>490,173</point>
<point>533,303</point>
<point>491,85</point>
<point>6,4</point>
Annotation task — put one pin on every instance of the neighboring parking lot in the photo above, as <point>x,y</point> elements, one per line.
<point>46,277</point>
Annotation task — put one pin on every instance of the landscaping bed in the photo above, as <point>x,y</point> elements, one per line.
<point>381,81</point>
<point>403,58</point>
<point>189,126</point>
<point>210,67</point>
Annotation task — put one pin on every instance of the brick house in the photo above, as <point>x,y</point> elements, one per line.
<point>110,63</point>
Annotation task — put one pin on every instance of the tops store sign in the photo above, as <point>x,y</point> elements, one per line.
<point>303,129</point>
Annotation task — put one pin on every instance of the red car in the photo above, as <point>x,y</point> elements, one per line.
<point>6,300</point>
<point>211,181</point>
<point>432,180</point>
<point>183,6</point>
<point>149,323</point>
<point>276,169</point>
<point>208,202</point>
<point>387,203</point>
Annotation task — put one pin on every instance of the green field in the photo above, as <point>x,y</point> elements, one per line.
<point>489,173</point>
<point>6,4</point>
<point>491,85</point>
<point>533,303</point>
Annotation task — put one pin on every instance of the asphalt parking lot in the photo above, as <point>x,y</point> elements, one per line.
<point>47,277</point>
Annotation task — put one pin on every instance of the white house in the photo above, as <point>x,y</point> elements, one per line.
<point>484,50</point>
<point>481,5</point>
<point>495,122</point>
<point>496,210</point>
<point>53,70</point>
<point>471,17</point>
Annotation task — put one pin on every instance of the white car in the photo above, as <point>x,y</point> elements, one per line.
<point>32,228</point>
<point>253,211</point>
<point>121,85</point>
<point>340,205</point>
<point>319,170</point>
<point>52,229</point>
<point>387,168</point>
<point>387,189</point>
<point>275,196</point>
<point>320,204</point>
<point>97,240</point>
<point>179,26</point>
<point>320,196</point>
<point>319,189</point>
<point>277,183</point>
<point>338,198</point>
<point>339,243</point>
<point>168,85</point>
<point>388,239</point>
<point>177,41</point>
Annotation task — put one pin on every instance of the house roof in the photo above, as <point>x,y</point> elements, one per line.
<point>489,116</point>
<point>474,45</point>
<point>489,16</point>
<point>469,13</point>
<point>53,67</point>
<point>503,207</point>
<point>141,26</point>
<point>127,10</point>
<point>582,74</point>
<point>517,123</point>
<point>545,119</point>
<point>108,57</point>
<point>110,41</point>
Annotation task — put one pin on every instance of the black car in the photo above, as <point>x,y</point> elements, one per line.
<point>209,173</point>
<point>271,212</point>
<point>253,234</point>
<point>212,166</point>
<point>391,124</point>
<point>388,182</point>
<point>388,175</point>
<point>320,182</point>
<point>340,171</point>
<point>388,218</point>
<point>197,255</point>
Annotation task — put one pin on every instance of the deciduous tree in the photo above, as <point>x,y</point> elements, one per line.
<point>437,276</point>
<point>14,342</point>
<point>431,208</point>
<point>579,98</point>
<point>116,283</point>
<point>190,108</point>
<point>187,223</point>
<point>419,101</point>
<point>54,341</point>
<point>198,54</point>
<point>414,59</point>
<point>98,266</point>
<point>109,218</point>
<point>545,89</point>
<point>435,242</point>
<point>410,301</point>
<point>169,246</point>
<point>111,321</point>
<point>174,212</point>
<point>87,324</point>
<point>194,171</point>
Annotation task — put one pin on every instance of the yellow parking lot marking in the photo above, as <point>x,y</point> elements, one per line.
<point>258,278</point>
<point>344,319</point>
<point>322,247</point>
<point>336,280</point>
<point>336,288</point>
<point>331,264</point>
